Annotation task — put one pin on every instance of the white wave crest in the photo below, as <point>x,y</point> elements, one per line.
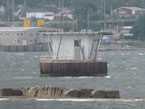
<point>78,100</point>
<point>107,76</point>
<point>81,77</point>
<point>4,99</point>
<point>22,77</point>
<point>140,54</point>
<point>21,54</point>
<point>90,100</point>
<point>134,68</point>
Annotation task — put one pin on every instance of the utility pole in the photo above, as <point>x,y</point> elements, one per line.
<point>104,16</point>
<point>25,6</point>
<point>101,6</point>
<point>59,10</point>
<point>112,18</point>
<point>123,34</point>
<point>88,19</point>
<point>8,17</point>
<point>62,13</point>
<point>76,24</point>
<point>12,12</point>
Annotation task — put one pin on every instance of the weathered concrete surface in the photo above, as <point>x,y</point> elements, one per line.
<point>98,94</point>
<point>6,92</point>
<point>73,68</point>
<point>71,93</point>
<point>33,91</point>
<point>57,92</point>
<point>17,92</point>
<point>112,94</point>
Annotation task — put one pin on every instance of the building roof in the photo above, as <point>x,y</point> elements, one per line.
<point>132,8</point>
<point>38,10</point>
<point>2,29</point>
<point>17,28</point>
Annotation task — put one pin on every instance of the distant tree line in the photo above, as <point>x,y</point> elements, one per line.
<point>82,9</point>
<point>139,28</point>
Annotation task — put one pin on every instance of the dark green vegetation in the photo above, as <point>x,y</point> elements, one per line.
<point>139,28</point>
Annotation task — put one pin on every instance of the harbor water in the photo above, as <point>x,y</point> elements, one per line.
<point>126,73</point>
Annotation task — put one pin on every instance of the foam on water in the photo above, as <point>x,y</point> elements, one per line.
<point>107,76</point>
<point>4,99</point>
<point>134,73</point>
<point>81,77</point>
<point>134,68</point>
<point>140,54</point>
<point>78,100</point>
<point>21,54</point>
<point>124,62</point>
<point>126,68</point>
<point>22,69</point>
<point>129,87</point>
<point>22,77</point>
<point>90,100</point>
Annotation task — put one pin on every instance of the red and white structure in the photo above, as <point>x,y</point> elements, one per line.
<point>127,11</point>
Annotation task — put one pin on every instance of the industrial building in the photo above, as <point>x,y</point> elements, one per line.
<point>22,35</point>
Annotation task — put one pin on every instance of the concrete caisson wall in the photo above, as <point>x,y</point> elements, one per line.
<point>73,68</point>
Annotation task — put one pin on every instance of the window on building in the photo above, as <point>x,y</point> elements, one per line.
<point>22,34</point>
<point>77,43</point>
<point>15,41</point>
<point>1,34</point>
<point>7,34</point>
<point>17,34</point>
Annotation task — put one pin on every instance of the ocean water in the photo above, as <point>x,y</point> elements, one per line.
<point>126,73</point>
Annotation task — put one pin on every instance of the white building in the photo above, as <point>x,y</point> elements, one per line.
<point>40,14</point>
<point>21,35</point>
<point>73,45</point>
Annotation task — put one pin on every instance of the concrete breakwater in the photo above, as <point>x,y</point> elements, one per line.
<point>57,92</point>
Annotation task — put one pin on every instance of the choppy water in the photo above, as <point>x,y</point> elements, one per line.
<point>126,72</point>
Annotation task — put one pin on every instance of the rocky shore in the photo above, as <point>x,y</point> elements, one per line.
<point>56,92</point>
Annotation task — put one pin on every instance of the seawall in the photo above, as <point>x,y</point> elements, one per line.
<point>56,92</point>
<point>24,48</point>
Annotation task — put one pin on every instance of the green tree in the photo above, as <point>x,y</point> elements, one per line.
<point>139,28</point>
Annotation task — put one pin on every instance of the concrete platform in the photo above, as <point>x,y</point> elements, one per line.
<point>72,68</point>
